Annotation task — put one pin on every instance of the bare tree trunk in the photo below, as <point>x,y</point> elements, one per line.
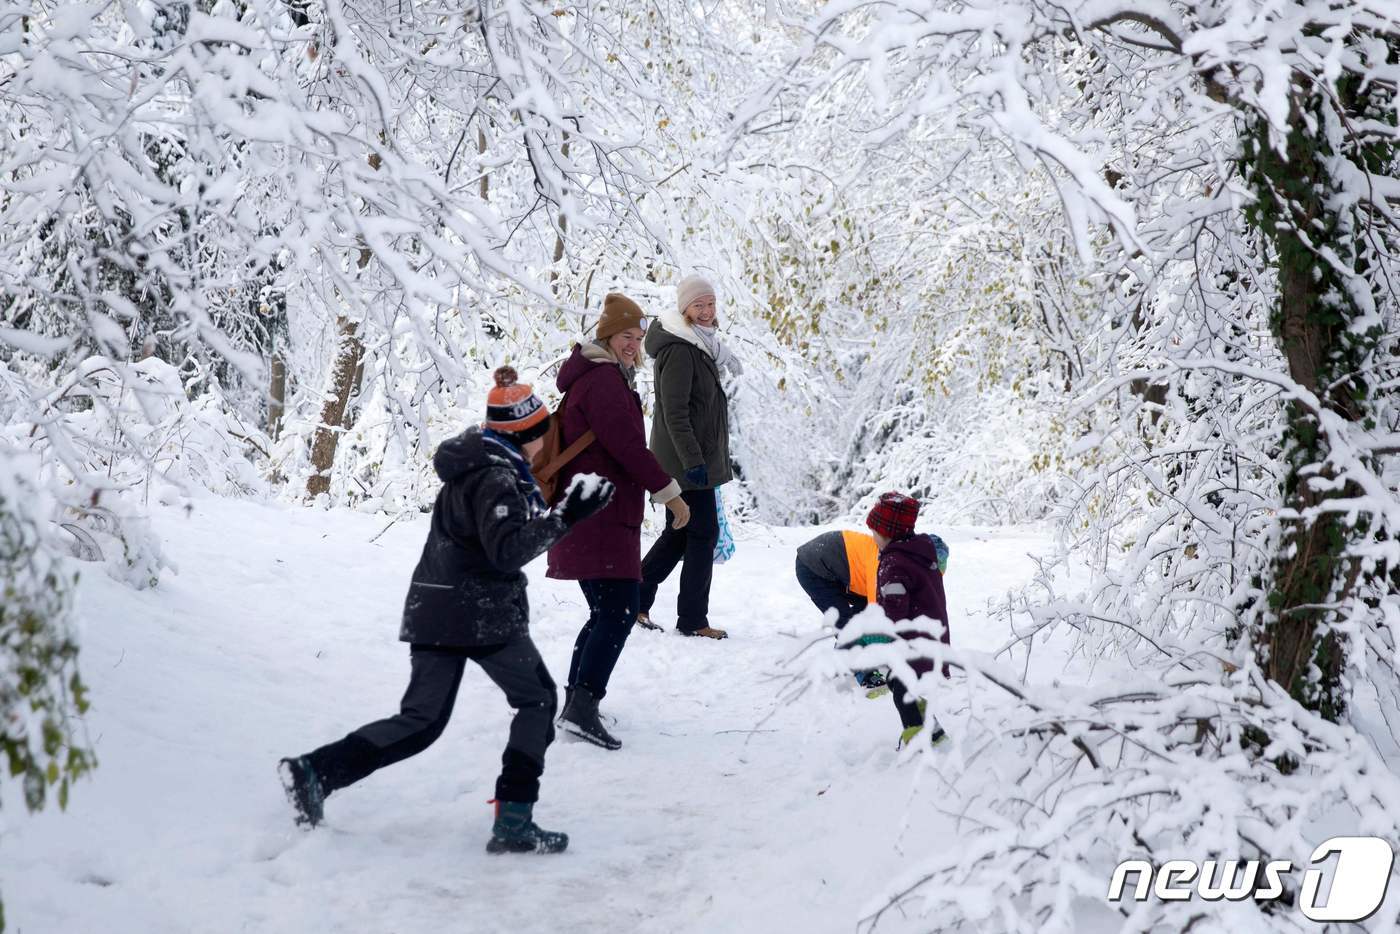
<point>277,396</point>
<point>558,252</point>
<point>560,232</point>
<point>489,324</point>
<point>485,177</point>
<point>353,403</point>
<point>327,438</point>
<point>345,380</point>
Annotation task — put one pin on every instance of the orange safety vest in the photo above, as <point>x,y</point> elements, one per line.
<point>863,558</point>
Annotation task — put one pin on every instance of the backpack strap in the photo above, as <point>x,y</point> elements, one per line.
<point>547,472</point>
<point>568,454</point>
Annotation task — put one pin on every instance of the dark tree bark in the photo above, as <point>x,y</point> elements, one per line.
<point>346,374</point>
<point>1318,239</point>
<point>328,432</point>
<point>277,396</point>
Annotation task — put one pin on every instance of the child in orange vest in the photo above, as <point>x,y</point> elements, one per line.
<point>838,571</point>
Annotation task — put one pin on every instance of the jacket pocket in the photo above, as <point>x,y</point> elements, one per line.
<point>429,601</point>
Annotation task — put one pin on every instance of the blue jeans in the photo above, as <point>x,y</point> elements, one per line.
<point>612,609</point>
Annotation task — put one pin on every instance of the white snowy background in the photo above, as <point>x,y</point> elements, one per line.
<point>1064,272</point>
<point>724,811</point>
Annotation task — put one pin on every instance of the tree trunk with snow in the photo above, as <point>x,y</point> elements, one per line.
<point>277,396</point>
<point>1326,326</point>
<point>327,438</point>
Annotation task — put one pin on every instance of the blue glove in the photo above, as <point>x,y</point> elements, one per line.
<point>940,549</point>
<point>698,476</point>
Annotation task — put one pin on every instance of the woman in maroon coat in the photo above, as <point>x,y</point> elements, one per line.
<point>604,552</point>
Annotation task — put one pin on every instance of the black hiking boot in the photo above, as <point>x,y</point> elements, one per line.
<point>580,717</point>
<point>304,791</point>
<point>604,717</point>
<point>515,831</point>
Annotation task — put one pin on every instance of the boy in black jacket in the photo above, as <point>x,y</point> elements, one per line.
<point>467,601</point>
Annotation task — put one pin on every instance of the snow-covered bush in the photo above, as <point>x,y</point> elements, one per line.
<point>39,684</point>
<point>115,438</point>
<point>41,742</point>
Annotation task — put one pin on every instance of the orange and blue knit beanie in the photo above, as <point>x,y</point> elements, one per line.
<point>894,516</point>
<point>512,408</point>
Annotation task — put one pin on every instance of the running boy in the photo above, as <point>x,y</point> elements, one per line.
<point>467,603</point>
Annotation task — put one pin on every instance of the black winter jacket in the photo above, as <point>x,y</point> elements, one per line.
<point>488,523</point>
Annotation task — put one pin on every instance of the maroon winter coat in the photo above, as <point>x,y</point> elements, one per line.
<point>609,544</point>
<point>909,585</point>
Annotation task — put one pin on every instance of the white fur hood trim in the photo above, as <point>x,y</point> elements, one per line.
<point>675,324</point>
<point>594,352</point>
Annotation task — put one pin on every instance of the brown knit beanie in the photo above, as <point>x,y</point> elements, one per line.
<point>619,314</point>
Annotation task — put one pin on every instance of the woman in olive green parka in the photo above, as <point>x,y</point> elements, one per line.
<point>690,438</point>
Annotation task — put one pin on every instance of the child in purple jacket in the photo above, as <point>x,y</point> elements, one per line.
<point>909,586</point>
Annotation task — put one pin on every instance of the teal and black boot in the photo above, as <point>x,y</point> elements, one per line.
<point>515,831</point>
<point>304,790</point>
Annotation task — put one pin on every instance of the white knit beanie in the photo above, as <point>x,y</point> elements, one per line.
<point>691,288</point>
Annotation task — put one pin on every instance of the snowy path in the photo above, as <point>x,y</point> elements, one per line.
<point>278,634</point>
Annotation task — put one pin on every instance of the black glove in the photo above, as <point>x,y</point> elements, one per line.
<point>698,476</point>
<point>583,499</point>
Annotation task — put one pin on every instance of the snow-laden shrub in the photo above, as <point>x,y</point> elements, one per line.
<point>1054,784</point>
<point>137,425</point>
<point>121,436</point>
<point>40,690</point>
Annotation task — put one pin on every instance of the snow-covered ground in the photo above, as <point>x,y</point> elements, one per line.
<point>723,812</point>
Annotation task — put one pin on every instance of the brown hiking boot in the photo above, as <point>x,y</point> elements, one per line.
<point>645,622</point>
<point>709,632</point>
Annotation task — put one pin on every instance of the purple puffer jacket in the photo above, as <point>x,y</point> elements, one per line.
<point>607,545</point>
<point>911,586</point>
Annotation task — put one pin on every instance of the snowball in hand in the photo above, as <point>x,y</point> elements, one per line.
<point>588,485</point>
<point>586,494</point>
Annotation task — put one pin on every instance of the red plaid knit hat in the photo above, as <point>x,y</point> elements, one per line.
<point>894,516</point>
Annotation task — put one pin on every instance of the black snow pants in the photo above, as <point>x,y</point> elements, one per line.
<point>829,594</point>
<point>695,546</point>
<point>515,667</point>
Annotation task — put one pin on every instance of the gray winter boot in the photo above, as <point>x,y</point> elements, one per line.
<point>580,717</point>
